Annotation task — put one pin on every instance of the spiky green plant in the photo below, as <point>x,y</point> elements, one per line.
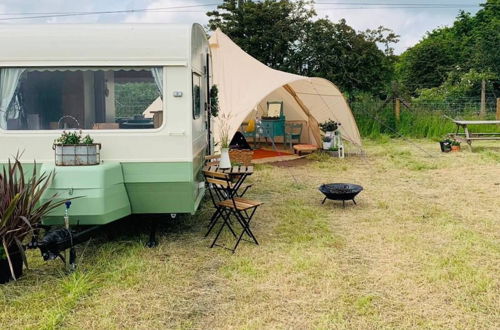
<point>21,207</point>
<point>224,129</point>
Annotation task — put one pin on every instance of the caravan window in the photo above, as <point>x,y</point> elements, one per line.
<point>198,100</point>
<point>86,98</point>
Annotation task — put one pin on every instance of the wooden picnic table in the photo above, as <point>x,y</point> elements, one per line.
<point>468,136</point>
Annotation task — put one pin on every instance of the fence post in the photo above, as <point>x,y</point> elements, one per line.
<point>397,109</point>
<point>482,112</point>
<point>498,108</point>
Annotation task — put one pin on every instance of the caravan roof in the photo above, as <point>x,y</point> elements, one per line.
<point>95,44</point>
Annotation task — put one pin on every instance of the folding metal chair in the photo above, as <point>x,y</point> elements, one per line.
<point>212,160</point>
<point>227,205</point>
<point>218,193</point>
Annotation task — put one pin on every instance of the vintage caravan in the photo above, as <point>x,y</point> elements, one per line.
<point>140,90</point>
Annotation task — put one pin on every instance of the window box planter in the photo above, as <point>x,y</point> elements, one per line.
<point>77,154</point>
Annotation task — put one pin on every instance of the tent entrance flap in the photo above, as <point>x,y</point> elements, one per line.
<point>244,84</point>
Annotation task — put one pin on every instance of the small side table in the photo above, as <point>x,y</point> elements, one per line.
<point>304,148</point>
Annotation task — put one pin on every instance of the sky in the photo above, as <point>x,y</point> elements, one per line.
<point>410,22</point>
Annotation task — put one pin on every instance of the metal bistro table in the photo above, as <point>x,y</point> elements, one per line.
<point>237,173</point>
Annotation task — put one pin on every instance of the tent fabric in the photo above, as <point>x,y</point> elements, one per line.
<point>245,84</point>
<point>156,106</point>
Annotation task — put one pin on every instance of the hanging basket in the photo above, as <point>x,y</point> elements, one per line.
<point>241,156</point>
<point>77,154</point>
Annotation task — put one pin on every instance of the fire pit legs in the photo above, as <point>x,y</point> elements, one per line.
<point>343,202</point>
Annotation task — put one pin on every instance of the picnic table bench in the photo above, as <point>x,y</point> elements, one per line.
<point>468,136</point>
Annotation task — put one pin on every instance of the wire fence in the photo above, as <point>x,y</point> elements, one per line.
<point>420,119</point>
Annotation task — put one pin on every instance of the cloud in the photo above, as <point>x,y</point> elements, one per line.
<point>411,25</point>
<point>64,6</point>
<point>180,15</point>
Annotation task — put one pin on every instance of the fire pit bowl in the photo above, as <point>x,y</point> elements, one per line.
<point>340,191</point>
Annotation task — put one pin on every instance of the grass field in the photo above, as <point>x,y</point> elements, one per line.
<point>421,249</point>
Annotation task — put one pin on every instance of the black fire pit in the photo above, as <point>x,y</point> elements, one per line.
<point>340,191</point>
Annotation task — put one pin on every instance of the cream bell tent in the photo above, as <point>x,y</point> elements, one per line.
<point>246,85</point>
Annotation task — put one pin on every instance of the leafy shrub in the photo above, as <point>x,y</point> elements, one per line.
<point>74,138</point>
<point>21,206</point>
<point>329,126</point>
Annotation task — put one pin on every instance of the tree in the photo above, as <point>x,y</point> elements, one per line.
<point>486,36</point>
<point>471,43</point>
<point>383,36</point>
<point>428,63</point>
<point>267,30</point>
<point>337,52</point>
<point>283,35</point>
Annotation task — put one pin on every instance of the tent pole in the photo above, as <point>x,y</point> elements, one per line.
<point>209,105</point>
<point>313,123</point>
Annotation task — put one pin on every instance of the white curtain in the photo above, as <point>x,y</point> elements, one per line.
<point>9,78</point>
<point>158,76</point>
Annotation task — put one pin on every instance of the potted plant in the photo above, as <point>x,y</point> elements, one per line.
<point>329,127</point>
<point>21,210</point>
<point>73,149</point>
<point>455,145</point>
<point>327,142</point>
<point>445,145</point>
<point>224,129</point>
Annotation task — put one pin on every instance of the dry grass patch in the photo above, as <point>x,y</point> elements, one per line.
<point>421,249</point>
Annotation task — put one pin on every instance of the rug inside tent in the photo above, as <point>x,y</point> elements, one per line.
<point>264,153</point>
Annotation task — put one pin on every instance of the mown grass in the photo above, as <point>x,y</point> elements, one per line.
<point>420,250</point>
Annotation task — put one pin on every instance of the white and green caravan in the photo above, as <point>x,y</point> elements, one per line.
<point>139,90</point>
